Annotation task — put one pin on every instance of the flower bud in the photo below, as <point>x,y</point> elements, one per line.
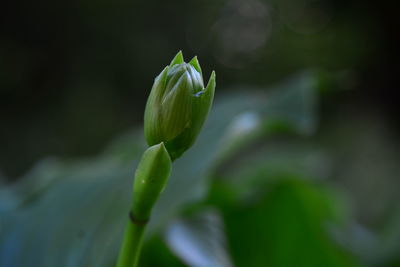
<point>178,106</point>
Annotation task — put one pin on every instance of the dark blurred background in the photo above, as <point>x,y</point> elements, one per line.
<point>74,74</point>
<point>298,164</point>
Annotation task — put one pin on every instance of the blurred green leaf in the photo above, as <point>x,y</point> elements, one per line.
<point>199,240</point>
<point>71,213</point>
<point>290,106</point>
<point>156,253</point>
<point>365,155</point>
<point>273,159</point>
<point>287,227</point>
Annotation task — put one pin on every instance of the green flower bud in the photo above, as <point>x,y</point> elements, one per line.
<point>178,106</point>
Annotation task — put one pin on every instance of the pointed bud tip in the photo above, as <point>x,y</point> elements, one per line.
<point>213,75</point>
<point>158,150</point>
<point>183,82</point>
<point>195,64</point>
<point>211,81</point>
<point>194,60</point>
<point>157,147</point>
<point>178,59</point>
<point>164,72</point>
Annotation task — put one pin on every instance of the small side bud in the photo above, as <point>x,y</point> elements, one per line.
<point>151,178</point>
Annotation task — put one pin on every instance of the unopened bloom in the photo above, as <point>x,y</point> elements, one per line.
<point>178,106</point>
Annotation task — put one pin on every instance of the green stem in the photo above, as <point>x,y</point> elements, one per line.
<point>151,177</point>
<point>132,244</point>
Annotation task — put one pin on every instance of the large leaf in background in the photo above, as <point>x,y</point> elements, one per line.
<point>289,107</point>
<point>272,159</point>
<point>73,213</point>
<point>358,156</point>
<point>388,250</point>
<point>365,155</point>
<point>286,227</point>
<point>199,240</point>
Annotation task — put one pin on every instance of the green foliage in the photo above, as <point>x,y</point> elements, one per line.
<point>199,239</point>
<point>253,191</point>
<point>286,227</point>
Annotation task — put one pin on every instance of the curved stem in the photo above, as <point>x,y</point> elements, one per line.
<point>132,244</point>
